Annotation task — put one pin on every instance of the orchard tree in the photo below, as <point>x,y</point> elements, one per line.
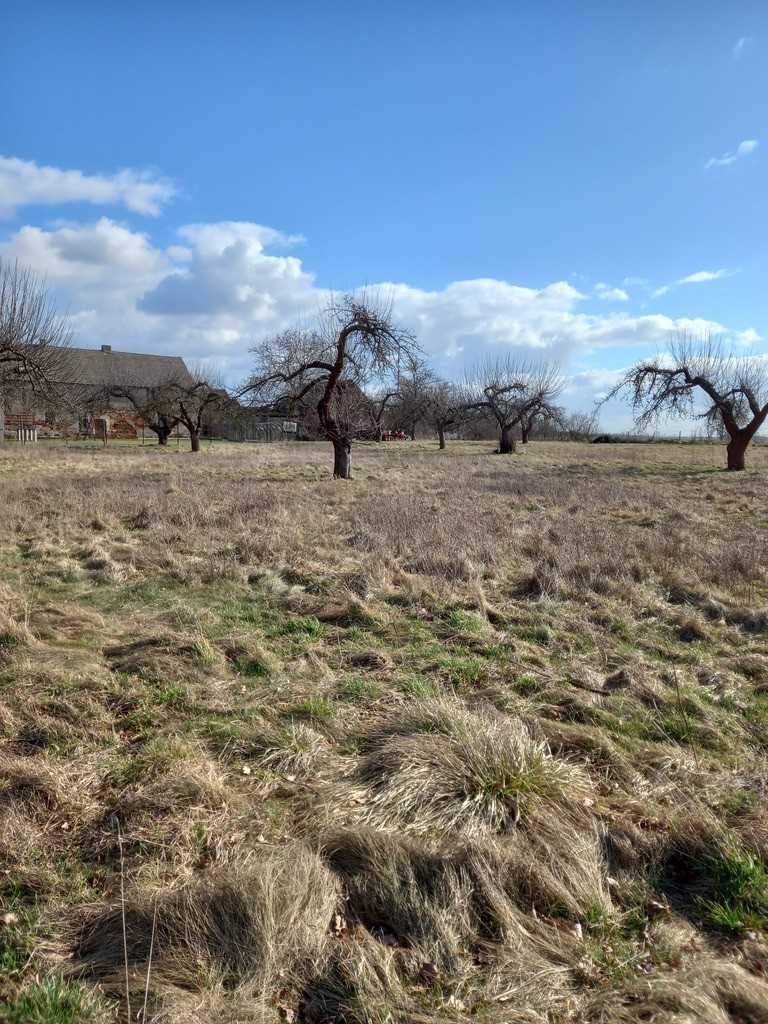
<point>34,336</point>
<point>377,407</point>
<point>157,406</point>
<point>444,408</point>
<point>541,412</point>
<point>357,344</point>
<point>699,379</point>
<point>511,390</point>
<point>579,426</point>
<point>193,402</point>
<point>414,382</point>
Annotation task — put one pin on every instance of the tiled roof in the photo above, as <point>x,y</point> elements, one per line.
<point>99,368</point>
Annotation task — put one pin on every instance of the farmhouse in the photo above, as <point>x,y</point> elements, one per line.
<point>87,376</point>
<point>102,392</point>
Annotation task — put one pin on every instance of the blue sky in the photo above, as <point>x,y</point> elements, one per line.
<point>580,180</point>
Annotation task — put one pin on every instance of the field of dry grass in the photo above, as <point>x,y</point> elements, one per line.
<point>468,739</point>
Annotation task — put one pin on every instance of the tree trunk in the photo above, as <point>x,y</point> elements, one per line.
<point>506,442</point>
<point>194,440</point>
<point>737,448</point>
<point>524,433</point>
<point>342,460</point>
<point>441,436</point>
<point>162,437</point>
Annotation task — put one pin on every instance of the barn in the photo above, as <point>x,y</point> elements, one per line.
<point>86,376</point>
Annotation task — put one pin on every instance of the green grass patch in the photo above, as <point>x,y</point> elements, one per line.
<point>737,899</point>
<point>304,626</point>
<point>317,709</point>
<point>464,622</point>
<point>417,686</point>
<point>16,939</point>
<point>252,666</point>
<point>167,695</point>
<point>155,759</point>
<point>54,1001</point>
<point>358,690</point>
<point>463,671</point>
<point>532,634</point>
<point>526,684</point>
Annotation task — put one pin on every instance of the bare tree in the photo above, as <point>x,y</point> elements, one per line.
<point>193,403</point>
<point>579,426</point>
<point>33,335</point>
<point>377,407</point>
<point>511,390</point>
<point>698,379</point>
<point>415,381</point>
<point>157,405</point>
<point>533,416</point>
<point>444,408</point>
<point>356,344</point>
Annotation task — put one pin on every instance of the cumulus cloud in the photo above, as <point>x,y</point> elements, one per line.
<point>609,294</point>
<point>698,277</point>
<point>227,272</point>
<point>748,337</point>
<point>218,288</point>
<point>743,149</point>
<point>24,183</point>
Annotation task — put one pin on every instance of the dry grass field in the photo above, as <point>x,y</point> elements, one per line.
<point>468,739</point>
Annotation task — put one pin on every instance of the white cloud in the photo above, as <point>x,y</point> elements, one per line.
<point>699,277</point>
<point>609,294</point>
<point>637,282</point>
<point>748,337</point>
<point>228,273</point>
<point>24,183</point>
<point>220,287</point>
<point>704,275</point>
<point>740,46</point>
<point>743,149</point>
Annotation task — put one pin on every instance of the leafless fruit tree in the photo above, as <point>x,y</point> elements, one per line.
<point>415,381</point>
<point>193,402</point>
<point>699,379</point>
<point>534,417</point>
<point>157,405</point>
<point>579,426</point>
<point>356,344</point>
<point>33,335</point>
<point>378,402</point>
<point>444,408</point>
<point>512,390</point>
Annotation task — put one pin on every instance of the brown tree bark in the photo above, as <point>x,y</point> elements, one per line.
<point>524,434</point>
<point>506,441</point>
<point>342,460</point>
<point>194,441</point>
<point>441,435</point>
<point>736,449</point>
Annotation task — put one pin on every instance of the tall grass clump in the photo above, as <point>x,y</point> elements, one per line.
<point>481,774</point>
